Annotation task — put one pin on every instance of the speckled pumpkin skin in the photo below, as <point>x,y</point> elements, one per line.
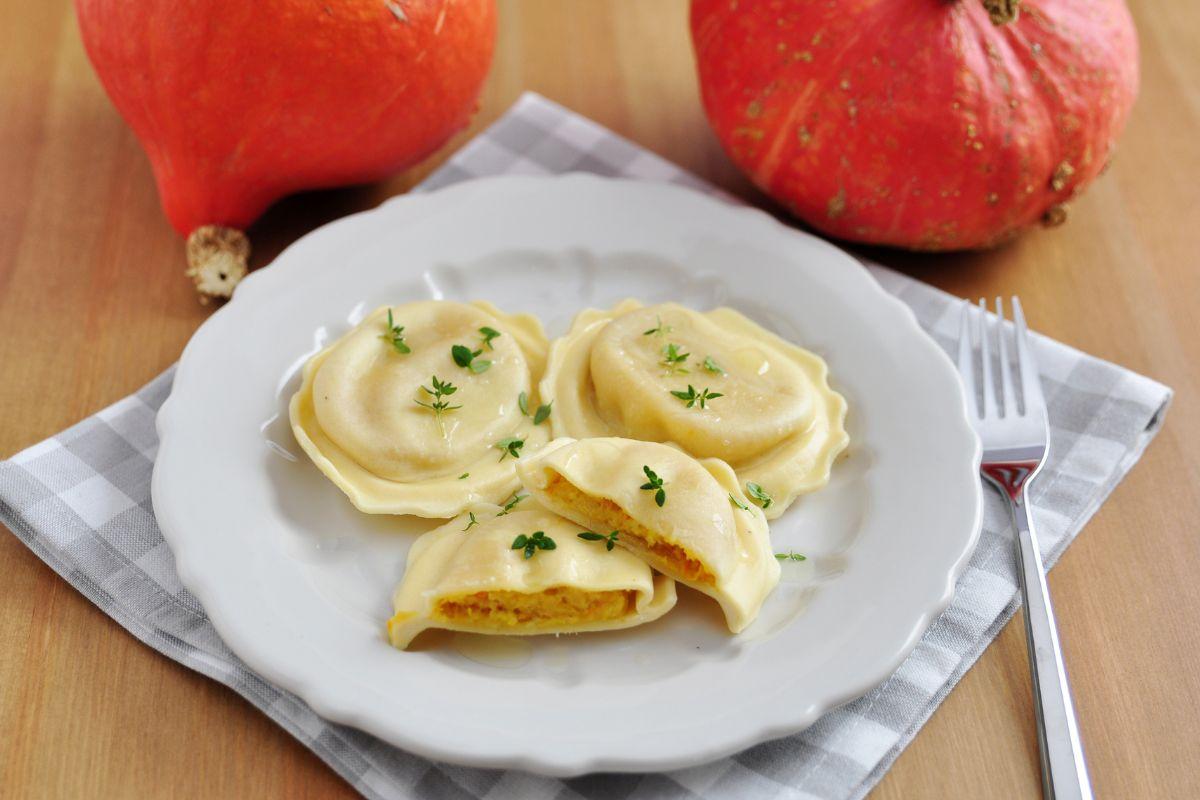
<point>240,102</point>
<point>917,123</point>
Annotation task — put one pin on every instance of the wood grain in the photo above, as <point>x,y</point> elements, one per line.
<point>93,304</point>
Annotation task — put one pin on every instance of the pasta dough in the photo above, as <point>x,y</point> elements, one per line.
<point>473,580</point>
<point>696,534</point>
<point>713,383</point>
<point>366,421</point>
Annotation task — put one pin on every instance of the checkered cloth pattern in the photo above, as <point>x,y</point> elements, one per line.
<point>81,502</point>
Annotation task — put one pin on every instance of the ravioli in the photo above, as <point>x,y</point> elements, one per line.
<point>686,518</point>
<point>472,579</point>
<point>713,383</point>
<point>393,418</point>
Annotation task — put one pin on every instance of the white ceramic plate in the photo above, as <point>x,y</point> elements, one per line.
<point>298,583</point>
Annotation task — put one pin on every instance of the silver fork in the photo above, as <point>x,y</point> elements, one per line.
<point>1015,443</point>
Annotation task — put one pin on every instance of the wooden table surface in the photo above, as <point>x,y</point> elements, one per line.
<point>93,304</point>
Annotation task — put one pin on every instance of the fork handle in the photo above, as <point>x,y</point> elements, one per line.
<point>1064,772</point>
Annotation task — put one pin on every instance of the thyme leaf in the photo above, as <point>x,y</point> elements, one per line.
<point>538,540</point>
<point>759,495</point>
<point>469,359</point>
<point>654,484</point>
<point>660,330</point>
<point>510,446</point>
<point>691,397</point>
<point>488,334</point>
<point>512,503</point>
<point>440,391</point>
<point>395,335</point>
<point>610,541</point>
<point>673,359</point>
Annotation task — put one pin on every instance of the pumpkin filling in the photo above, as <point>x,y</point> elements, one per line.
<point>634,535</point>
<point>557,606</point>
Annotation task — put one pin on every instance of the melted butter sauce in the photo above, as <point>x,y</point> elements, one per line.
<point>504,652</point>
<point>751,359</point>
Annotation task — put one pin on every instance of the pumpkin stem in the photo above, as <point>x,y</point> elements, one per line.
<point>1002,12</point>
<point>217,260</point>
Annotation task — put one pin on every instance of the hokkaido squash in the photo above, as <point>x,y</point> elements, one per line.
<point>924,124</point>
<point>239,103</point>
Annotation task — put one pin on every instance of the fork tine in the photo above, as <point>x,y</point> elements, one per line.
<point>966,368</point>
<point>1031,385</point>
<point>1006,381</point>
<point>985,355</point>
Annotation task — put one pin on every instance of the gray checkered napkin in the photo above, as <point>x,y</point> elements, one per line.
<point>81,501</point>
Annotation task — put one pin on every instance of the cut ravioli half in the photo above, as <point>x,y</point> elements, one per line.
<point>372,418</point>
<point>471,579</point>
<point>701,530</point>
<point>714,383</point>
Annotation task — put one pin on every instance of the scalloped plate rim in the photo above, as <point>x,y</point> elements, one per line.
<point>332,702</point>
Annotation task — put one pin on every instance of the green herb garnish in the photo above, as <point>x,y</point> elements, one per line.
<point>610,541</point>
<point>440,391</point>
<point>790,556</point>
<point>467,358</point>
<point>712,366</point>
<point>661,330</point>
<point>673,360</point>
<point>691,397</point>
<point>509,446</point>
<point>543,411</point>
<point>533,542</point>
<point>759,494</point>
<point>512,503</point>
<point>464,476</point>
<point>473,521</point>
<point>395,335</point>
<point>655,484</point>
<point>488,334</point>
<point>737,503</point>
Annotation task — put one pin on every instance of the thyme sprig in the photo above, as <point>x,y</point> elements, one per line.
<point>673,359</point>
<point>691,397</point>
<point>510,446</point>
<point>610,541</point>
<point>469,359</point>
<point>473,522</point>
<point>511,504</point>
<point>488,334</point>
<point>660,330</point>
<point>733,501</point>
<point>440,391</point>
<point>791,555</point>
<point>654,484</point>
<point>712,366</point>
<point>395,335</point>
<point>538,540</point>
<point>759,495</point>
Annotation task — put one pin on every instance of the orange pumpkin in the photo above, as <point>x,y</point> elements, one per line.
<point>926,124</point>
<point>240,103</point>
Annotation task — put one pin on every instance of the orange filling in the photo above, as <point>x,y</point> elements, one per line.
<point>606,515</point>
<point>557,606</point>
